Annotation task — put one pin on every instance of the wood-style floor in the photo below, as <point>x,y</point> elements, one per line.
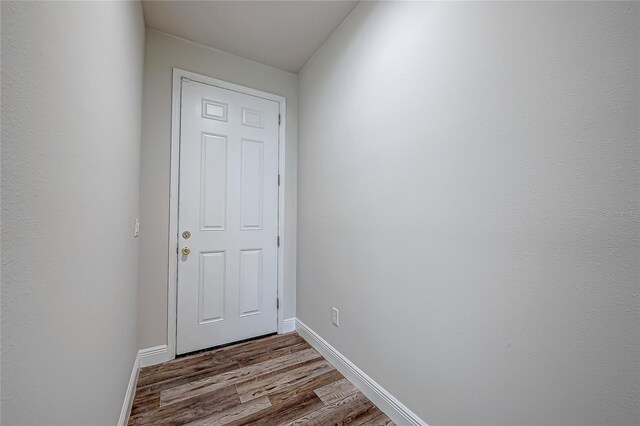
<point>277,380</point>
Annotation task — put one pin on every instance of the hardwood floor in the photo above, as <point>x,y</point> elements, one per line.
<point>277,380</point>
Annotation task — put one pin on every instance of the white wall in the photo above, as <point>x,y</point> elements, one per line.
<point>163,53</point>
<point>71,114</point>
<point>469,199</point>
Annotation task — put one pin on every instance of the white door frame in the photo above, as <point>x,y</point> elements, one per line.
<point>178,75</point>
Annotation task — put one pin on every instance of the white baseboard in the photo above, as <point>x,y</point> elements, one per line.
<point>289,325</point>
<point>393,408</point>
<point>153,356</point>
<point>131,391</point>
<point>144,358</point>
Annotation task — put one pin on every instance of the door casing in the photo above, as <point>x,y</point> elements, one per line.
<point>178,75</point>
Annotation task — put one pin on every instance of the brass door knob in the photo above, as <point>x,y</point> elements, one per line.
<point>186,250</point>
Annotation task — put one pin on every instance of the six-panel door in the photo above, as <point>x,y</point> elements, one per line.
<point>228,202</point>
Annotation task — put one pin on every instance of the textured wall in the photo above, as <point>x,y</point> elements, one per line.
<point>163,53</point>
<point>469,199</point>
<point>71,108</point>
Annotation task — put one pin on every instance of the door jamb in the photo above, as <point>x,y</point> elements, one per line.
<point>178,75</point>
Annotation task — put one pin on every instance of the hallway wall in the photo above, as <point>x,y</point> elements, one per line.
<point>163,53</point>
<point>71,120</point>
<point>469,200</point>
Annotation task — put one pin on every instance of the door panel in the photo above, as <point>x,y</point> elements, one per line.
<point>228,201</point>
<point>250,282</point>
<point>213,182</point>
<point>252,184</point>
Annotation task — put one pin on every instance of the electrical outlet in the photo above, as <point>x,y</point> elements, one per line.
<point>136,228</point>
<point>334,317</point>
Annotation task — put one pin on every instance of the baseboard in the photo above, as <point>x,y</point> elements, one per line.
<point>144,358</point>
<point>131,391</point>
<point>153,356</point>
<point>393,408</point>
<point>289,325</point>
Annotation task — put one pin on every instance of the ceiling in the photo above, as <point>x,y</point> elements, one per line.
<point>283,34</point>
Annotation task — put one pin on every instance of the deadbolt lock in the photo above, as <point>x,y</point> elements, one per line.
<point>186,235</point>
<point>186,250</point>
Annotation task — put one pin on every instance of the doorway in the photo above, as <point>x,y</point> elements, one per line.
<point>227,212</point>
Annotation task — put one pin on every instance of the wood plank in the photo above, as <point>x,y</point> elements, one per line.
<point>336,391</point>
<point>277,373</point>
<point>287,411</point>
<point>211,363</point>
<point>362,417</point>
<point>208,384</point>
<point>144,404</point>
<point>302,388</point>
<point>191,409</point>
<point>284,381</point>
<point>188,377</point>
<point>234,413</point>
<point>255,348</point>
<point>178,365</point>
<point>264,345</point>
<point>340,412</point>
<point>380,420</point>
<point>245,359</point>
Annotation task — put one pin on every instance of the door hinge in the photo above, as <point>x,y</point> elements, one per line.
<point>279,119</point>
<point>277,303</point>
<point>278,241</point>
<point>278,180</point>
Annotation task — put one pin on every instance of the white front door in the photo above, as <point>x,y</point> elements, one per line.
<point>227,217</point>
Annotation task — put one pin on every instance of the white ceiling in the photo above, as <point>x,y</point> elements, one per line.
<point>283,34</point>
